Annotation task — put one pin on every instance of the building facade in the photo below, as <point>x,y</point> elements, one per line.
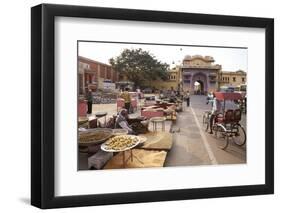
<point>173,81</point>
<point>95,75</point>
<point>200,75</point>
<point>233,79</point>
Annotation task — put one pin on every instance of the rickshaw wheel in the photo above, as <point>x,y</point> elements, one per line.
<point>206,122</point>
<point>222,134</point>
<point>240,135</point>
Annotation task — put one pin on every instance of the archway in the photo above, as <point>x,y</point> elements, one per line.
<point>201,85</point>
<point>198,87</point>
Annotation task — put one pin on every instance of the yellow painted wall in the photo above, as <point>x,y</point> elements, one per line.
<point>173,81</point>
<point>158,84</point>
<point>226,79</point>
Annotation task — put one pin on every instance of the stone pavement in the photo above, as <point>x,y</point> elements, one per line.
<point>188,148</point>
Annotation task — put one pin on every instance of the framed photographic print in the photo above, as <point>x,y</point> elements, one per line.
<point>139,106</point>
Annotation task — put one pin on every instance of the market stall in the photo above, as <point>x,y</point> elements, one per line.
<point>113,148</point>
<point>151,153</point>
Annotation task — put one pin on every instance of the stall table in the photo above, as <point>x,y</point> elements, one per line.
<point>156,120</point>
<point>100,115</point>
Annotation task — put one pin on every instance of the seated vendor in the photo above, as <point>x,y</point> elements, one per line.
<point>121,121</point>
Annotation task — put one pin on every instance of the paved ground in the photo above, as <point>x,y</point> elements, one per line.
<point>193,146</point>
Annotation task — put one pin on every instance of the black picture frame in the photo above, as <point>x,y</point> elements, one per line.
<point>43,105</point>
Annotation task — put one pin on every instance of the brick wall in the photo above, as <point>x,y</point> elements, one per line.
<point>106,71</point>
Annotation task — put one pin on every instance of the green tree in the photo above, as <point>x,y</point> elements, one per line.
<point>139,66</point>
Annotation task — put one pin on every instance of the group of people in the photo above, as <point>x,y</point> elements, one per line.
<point>125,95</point>
<point>173,95</point>
<point>122,117</point>
<point>121,121</point>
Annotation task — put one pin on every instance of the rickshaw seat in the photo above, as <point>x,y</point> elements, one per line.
<point>237,115</point>
<point>228,116</point>
<point>219,118</point>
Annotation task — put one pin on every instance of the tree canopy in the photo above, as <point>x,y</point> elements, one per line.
<point>139,66</point>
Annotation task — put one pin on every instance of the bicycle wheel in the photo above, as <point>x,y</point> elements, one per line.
<point>239,135</point>
<point>204,118</point>
<point>205,122</point>
<point>222,136</point>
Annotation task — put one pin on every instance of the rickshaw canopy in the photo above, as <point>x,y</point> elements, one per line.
<point>222,96</point>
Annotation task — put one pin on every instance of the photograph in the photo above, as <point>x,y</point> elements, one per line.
<point>153,105</point>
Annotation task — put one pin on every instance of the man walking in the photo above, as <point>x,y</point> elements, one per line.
<point>187,98</point>
<point>89,98</point>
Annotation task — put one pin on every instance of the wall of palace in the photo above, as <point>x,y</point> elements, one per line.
<point>199,74</point>
<point>235,79</point>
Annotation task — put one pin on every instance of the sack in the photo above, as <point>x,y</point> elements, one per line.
<point>99,159</point>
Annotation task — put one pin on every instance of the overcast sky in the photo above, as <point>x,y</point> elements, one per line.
<point>231,59</point>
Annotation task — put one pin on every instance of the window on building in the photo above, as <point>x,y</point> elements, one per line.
<point>234,79</point>
<point>243,79</point>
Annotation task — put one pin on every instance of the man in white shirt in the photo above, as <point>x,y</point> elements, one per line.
<point>216,108</point>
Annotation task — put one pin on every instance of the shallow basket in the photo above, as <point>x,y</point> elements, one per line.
<point>94,136</point>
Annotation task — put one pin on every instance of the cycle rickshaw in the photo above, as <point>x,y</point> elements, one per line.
<point>227,124</point>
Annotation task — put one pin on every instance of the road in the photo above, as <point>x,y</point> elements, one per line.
<point>193,146</point>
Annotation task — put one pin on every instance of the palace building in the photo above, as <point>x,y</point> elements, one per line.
<point>200,75</point>
<point>197,74</point>
<point>234,79</point>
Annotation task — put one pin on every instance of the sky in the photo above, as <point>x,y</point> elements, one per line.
<point>231,59</point>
